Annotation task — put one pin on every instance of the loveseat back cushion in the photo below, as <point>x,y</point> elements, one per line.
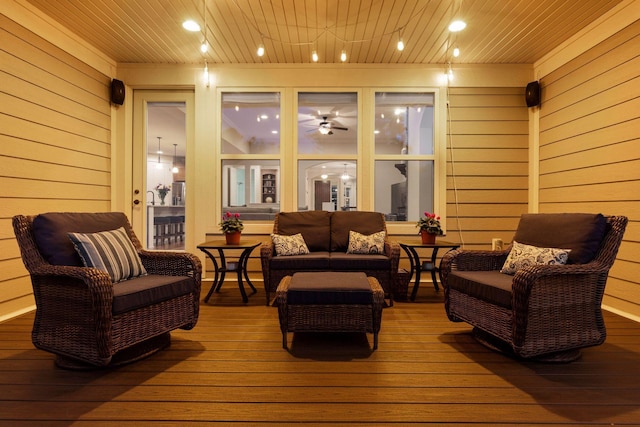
<point>50,231</point>
<point>580,232</point>
<point>147,290</point>
<point>314,225</point>
<point>489,286</point>
<point>344,221</point>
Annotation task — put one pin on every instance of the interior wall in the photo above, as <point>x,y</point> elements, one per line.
<point>487,164</point>
<point>588,148</point>
<point>55,120</point>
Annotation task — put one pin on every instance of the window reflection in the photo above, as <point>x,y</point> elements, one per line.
<point>250,123</point>
<point>326,185</point>
<point>327,123</point>
<point>404,189</point>
<point>404,123</point>
<point>251,187</point>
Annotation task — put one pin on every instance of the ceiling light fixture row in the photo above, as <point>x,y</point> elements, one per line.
<point>456,25</point>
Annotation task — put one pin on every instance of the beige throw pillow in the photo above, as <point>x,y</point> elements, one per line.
<point>373,244</point>
<point>289,245</point>
<point>522,255</point>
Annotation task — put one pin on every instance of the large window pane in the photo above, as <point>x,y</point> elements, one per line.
<point>250,123</point>
<point>327,123</point>
<point>403,189</point>
<point>326,185</point>
<point>251,187</point>
<point>404,123</point>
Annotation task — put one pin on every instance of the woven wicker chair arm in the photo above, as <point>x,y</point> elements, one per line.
<point>94,279</point>
<point>267,250</point>
<point>171,263</point>
<point>475,260</point>
<point>392,250</point>
<point>556,277</point>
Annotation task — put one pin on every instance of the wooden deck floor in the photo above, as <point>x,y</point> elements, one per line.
<point>231,369</point>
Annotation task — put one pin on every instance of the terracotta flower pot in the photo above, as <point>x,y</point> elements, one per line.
<point>233,238</point>
<point>427,238</point>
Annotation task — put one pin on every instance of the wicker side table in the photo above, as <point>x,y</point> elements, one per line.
<point>330,302</point>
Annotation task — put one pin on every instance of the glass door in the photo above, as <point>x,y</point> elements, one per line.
<point>161,137</point>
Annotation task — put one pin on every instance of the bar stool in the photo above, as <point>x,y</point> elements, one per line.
<point>161,229</point>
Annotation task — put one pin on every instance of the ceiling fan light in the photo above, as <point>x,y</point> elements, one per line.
<point>457,25</point>
<point>191,25</point>
<point>324,130</point>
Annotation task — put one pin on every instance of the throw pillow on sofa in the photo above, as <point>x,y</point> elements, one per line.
<point>366,244</point>
<point>289,245</point>
<point>110,251</point>
<point>522,255</point>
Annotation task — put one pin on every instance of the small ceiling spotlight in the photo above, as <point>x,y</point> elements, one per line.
<point>457,25</point>
<point>191,25</point>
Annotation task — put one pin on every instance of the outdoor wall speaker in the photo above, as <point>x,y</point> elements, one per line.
<point>117,91</point>
<point>532,94</point>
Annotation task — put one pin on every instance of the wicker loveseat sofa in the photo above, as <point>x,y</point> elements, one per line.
<point>326,235</point>
<point>85,318</point>
<point>551,306</point>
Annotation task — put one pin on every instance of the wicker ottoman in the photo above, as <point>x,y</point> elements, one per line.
<point>330,302</point>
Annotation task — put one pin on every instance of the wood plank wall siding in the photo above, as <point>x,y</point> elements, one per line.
<point>590,148</point>
<point>55,124</point>
<point>487,164</point>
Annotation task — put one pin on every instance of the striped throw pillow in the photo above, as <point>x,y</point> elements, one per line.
<point>111,251</point>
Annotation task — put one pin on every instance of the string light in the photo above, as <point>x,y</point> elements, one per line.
<point>400,44</point>
<point>314,56</point>
<point>343,55</point>
<point>260,50</point>
<point>456,52</point>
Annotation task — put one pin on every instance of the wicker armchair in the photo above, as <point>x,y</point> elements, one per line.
<point>76,316</point>
<point>543,312</point>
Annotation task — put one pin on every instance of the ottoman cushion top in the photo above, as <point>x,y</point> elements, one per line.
<point>329,288</point>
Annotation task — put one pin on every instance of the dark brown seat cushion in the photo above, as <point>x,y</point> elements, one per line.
<point>327,288</point>
<point>311,261</point>
<point>314,225</point>
<point>148,290</point>
<point>490,286</point>
<point>358,262</point>
<point>580,232</point>
<point>50,232</point>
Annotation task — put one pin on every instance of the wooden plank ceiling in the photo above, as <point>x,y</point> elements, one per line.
<point>498,31</point>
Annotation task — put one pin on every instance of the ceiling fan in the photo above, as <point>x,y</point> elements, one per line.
<point>326,127</point>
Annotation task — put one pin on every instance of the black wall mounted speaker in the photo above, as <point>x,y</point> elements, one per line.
<point>532,94</point>
<point>117,91</point>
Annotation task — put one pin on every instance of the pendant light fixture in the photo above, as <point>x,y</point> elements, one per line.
<point>345,176</point>
<point>175,168</point>
<point>159,165</point>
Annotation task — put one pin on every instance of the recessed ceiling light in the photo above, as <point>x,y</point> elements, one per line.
<point>457,25</point>
<point>191,25</point>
